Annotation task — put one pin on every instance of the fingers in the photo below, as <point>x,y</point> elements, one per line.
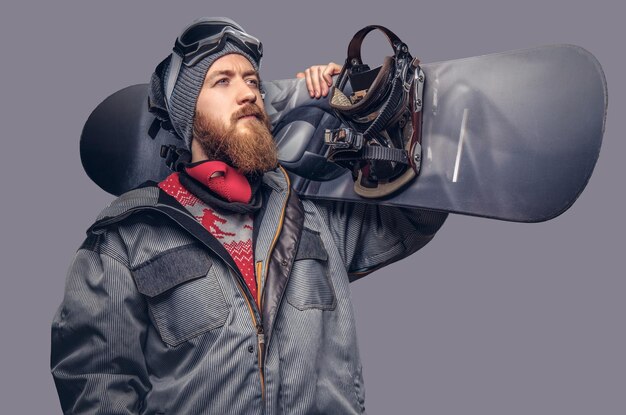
<point>318,81</point>
<point>312,76</point>
<point>328,76</point>
<point>319,78</point>
<point>331,69</point>
<point>309,82</point>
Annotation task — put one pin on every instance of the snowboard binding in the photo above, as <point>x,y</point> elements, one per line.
<point>380,138</point>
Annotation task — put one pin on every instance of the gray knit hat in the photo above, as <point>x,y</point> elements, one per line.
<point>181,107</point>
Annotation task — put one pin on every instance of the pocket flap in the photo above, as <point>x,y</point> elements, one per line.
<point>311,246</point>
<point>171,268</point>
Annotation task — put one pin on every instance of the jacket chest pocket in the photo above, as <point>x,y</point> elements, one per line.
<point>309,285</point>
<point>183,294</point>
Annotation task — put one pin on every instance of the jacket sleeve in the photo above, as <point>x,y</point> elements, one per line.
<point>370,236</point>
<point>97,336</point>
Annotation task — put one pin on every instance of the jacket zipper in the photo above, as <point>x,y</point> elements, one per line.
<point>259,324</point>
<point>259,282</point>
<point>274,240</point>
<point>261,340</point>
<point>260,332</point>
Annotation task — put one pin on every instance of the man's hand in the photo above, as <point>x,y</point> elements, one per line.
<point>319,78</point>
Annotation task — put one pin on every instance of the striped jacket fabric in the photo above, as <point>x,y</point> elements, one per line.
<point>156,319</point>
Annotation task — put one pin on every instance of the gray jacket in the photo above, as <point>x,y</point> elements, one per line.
<point>155,319</point>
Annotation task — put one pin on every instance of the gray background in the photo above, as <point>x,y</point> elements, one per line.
<point>490,318</point>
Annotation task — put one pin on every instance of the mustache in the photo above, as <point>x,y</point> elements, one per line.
<point>249,110</point>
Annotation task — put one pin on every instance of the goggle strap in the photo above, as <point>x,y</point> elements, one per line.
<point>175,63</point>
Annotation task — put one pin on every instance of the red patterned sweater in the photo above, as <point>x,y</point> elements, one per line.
<point>233,230</point>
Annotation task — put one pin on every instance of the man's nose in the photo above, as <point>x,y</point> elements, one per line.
<point>246,93</point>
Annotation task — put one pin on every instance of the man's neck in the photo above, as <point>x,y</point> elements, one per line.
<point>197,154</point>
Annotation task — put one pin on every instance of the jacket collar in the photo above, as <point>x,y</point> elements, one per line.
<point>147,195</point>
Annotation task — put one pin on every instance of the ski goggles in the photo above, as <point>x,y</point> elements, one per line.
<point>204,37</point>
<point>209,35</point>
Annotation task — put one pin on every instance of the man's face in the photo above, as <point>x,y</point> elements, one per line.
<point>230,122</point>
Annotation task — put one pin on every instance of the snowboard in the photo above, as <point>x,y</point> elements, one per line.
<point>512,136</point>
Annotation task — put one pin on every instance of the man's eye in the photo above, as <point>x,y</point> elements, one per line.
<point>253,82</point>
<point>222,81</point>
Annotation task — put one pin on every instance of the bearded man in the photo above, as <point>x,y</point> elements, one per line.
<point>217,290</point>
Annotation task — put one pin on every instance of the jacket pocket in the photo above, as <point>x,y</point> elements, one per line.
<point>309,285</point>
<point>183,294</point>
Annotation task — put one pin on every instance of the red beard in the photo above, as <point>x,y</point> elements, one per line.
<point>252,151</point>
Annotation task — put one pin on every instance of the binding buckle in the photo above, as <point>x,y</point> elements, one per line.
<point>343,138</point>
